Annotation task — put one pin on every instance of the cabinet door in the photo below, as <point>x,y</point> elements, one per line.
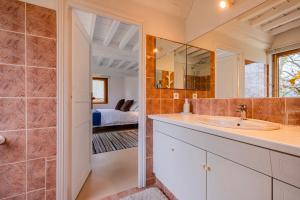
<point>282,191</point>
<point>179,166</point>
<point>227,180</point>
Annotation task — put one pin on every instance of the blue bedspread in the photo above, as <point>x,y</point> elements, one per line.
<point>96,118</point>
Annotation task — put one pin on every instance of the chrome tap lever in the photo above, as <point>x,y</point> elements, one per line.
<point>243,110</point>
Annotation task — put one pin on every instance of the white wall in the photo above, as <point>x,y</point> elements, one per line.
<point>52,4</point>
<point>285,39</point>
<point>205,15</point>
<point>154,22</point>
<point>131,88</point>
<point>227,77</point>
<point>119,87</point>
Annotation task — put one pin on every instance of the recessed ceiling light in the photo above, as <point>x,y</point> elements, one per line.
<point>223,4</point>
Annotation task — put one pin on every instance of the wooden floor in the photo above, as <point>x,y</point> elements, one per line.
<point>112,172</point>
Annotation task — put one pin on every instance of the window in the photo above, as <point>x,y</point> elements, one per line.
<point>256,81</point>
<point>287,74</point>
<point>100,90</point>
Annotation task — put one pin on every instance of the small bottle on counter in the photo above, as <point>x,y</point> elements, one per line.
<point>186,106</point>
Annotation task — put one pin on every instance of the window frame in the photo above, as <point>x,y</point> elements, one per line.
<point>105,80</point>
<point>275,72</point>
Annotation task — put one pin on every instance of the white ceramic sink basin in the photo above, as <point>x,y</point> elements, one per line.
<point>236,122</point>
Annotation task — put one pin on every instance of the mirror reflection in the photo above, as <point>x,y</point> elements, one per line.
<point>257,54</point>
<point>170,61</point>
<point>199,67</point>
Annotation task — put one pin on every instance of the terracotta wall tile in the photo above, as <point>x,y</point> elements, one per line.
<point>12,114</point>
<point>203,107</point>
<point>51,175</point>
<point>19,197</point>
<point>153,106</point>
<point>151,91</point>
<point>178,105</point>
<point>41,82</point>
<point>149,145</point>
<point>12,79</point>
<point>149,127</point>
<point>149,166</point>
<point>14,148</point>
<point>12,15</point>
<point>219,107</point>
<point>40,21</point>
<point>41,113</point>
<point>12,48</point>
<point>36,174</point>
<point>150,181</point>
<point>167,106</point>
<point>41,52</point>
<point>12,179</point>
<point>36,195</point>
<point>51,194</point>
<point>293,111</point>
<point>41,143</point>
<point>166,93</point>
<point>150,66</point>
<point>269,109</point>
<point>233,106</point>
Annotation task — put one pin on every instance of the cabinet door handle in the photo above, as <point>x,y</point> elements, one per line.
<point>206,168</point>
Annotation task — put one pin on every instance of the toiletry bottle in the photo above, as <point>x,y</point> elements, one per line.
<point>186,106</point>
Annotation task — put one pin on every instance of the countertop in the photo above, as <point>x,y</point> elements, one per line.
<point>286,139</point>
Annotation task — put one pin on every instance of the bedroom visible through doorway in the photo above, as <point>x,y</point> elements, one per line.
<point>114,83</point>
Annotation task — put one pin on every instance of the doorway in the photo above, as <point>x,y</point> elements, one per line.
<point>105,105</point>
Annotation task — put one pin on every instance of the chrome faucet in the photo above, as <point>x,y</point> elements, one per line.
<point>243,110</point>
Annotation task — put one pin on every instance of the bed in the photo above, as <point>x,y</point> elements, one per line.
<point>112,117</point>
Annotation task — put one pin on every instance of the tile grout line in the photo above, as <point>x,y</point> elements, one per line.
<point>26,108</point>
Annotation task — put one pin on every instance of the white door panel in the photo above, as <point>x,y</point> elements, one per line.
<point>81,111</point>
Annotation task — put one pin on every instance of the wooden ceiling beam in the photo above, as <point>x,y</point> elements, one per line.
<point>275,12</point>
<point>128,36</point>
<point>281,21</point>
<point>111,32</point>
<point>285,27</point>
<point>267,5</point>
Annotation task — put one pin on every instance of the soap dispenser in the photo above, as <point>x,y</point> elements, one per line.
<point>186,106</point>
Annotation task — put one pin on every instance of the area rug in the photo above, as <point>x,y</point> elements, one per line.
<point>148,194</point>
<point>114,140</point>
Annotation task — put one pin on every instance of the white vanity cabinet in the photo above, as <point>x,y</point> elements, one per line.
<point>283,191</point>
<point>227,180</point>
<point>191,170</point>
<point>180,167</point>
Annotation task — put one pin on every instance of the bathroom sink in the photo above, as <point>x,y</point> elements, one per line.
<point>236,122</point>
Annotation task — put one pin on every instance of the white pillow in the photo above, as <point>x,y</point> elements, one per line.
<point>134,106</point>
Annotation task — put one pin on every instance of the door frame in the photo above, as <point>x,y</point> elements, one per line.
<point>64,95</point>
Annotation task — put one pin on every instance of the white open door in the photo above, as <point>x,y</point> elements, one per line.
<point>81,107</point>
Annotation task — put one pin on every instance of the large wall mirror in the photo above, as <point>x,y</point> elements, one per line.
<point>181,66</point>
<point>257,54</point>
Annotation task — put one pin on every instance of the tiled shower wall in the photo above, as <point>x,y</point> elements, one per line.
<point>27,101</point>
